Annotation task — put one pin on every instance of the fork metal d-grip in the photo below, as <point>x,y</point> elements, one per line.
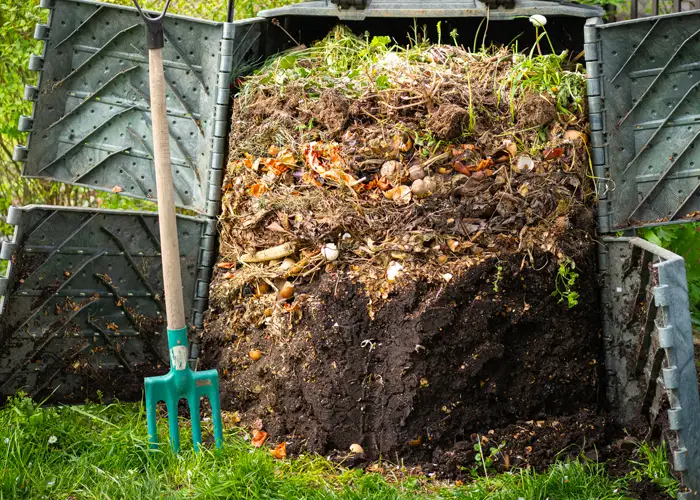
<point>180,382</point>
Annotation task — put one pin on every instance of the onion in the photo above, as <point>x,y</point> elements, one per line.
<point>287,290</point>
<point>390,169</point>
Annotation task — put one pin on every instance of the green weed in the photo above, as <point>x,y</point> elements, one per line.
<point>549,75</point>
<point>565,282</point>
<point>499,277</point>
<point>485,459</point>
<point>653,465</point>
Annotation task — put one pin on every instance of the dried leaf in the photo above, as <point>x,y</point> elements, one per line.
<point>501,156</point>
<point>112,326</point>
<point>310,178</point>
<point>257,189</point>
<point>280,451</point>
<point>259,438</point>
<point>228,275</point>
<point>484,164</point>
<point>117,189</point>
<point>274,166</point>
<point>226,265</point>
<point>287,157</point>
<point>276,227</point>
<point>524,189</point>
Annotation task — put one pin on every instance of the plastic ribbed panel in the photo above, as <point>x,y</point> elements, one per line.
<point>644,96</point>
<point>349,10</point>
<point>91,121</point>
<point>83,300</point>
<point>648,343</point>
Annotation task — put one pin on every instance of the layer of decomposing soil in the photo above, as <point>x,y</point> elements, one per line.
<point>437,362</point>
<point>407,260</point>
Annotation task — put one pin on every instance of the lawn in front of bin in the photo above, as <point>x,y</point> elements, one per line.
<point>101,451</point>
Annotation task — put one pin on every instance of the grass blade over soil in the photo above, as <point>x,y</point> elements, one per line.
<point>101,452</point>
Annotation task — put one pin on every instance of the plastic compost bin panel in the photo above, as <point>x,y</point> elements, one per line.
<point>648,343</point>
<point>91,122</point>
<point>82,306</point>
<point>644,96</point>
<point>435,8</point>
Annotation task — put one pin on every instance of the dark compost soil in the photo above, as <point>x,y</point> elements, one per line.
<point>438,363</point>
<point>473,341</point>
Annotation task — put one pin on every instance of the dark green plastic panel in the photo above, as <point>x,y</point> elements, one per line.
<point>644,96</point>
<point>649,350</point>
<point>83,301</point>
<point>435,9</point>
<point>91,121</point>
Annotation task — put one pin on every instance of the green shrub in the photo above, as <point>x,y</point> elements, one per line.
<point>684,240</point>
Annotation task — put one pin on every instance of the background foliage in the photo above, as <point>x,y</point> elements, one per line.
<point>684,240</point>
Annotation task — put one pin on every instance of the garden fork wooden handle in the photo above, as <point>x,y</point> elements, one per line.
<point>170,251</point>
<point>172,279</point>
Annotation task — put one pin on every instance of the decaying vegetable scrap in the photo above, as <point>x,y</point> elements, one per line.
<point>395,164</point>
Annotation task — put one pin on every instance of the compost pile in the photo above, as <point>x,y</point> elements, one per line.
<point>407,254</point>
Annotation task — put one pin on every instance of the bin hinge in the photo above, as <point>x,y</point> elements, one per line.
<point>351,4</point>
<point>597,123</point>
<point>494,4</point>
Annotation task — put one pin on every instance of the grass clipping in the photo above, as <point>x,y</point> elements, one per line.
<point>383,164</point>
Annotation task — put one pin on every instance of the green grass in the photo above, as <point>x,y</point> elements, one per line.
<point>101,451</point>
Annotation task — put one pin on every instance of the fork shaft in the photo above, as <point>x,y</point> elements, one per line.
<point>172,280</point>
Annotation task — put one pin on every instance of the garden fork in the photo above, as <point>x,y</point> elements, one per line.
<point>180,381</point>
